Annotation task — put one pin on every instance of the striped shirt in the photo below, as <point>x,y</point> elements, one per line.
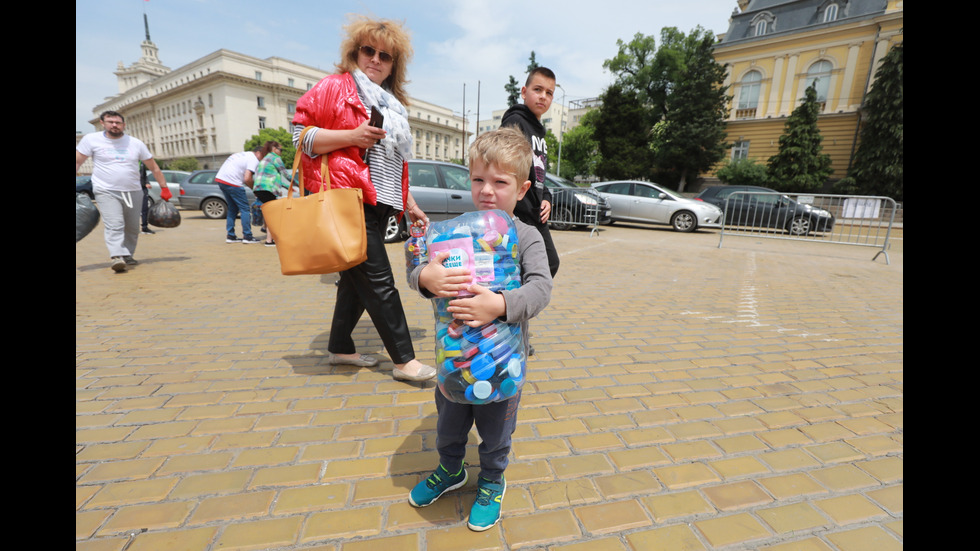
<point>386,174</point>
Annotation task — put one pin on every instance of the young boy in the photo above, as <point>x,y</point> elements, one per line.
<point>499,163</point>
<point>535,208</point>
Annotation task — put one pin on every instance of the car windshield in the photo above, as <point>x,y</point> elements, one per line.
<point>556,181</point>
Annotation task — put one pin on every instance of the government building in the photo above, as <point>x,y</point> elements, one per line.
<point>210,107</point>
<point>775,49</point>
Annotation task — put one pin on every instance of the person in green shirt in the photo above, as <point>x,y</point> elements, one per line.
<point>268,180</point>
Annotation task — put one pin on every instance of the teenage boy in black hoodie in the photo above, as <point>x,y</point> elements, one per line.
<point>535,208</point>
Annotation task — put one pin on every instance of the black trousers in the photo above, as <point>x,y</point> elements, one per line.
<point>370,286</point>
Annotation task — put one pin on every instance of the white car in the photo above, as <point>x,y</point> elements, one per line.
<point>632,201</point>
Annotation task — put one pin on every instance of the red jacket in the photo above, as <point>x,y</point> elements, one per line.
<point>333,104</point>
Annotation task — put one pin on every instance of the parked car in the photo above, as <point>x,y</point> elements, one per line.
<point>768,208</point>
<point>442,191</point>
<point>654,204</point>
<point>572,205</point>
<point>199,191</point>
<point>173,178</point>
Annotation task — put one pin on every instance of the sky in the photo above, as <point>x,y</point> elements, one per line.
<point>476,43</point>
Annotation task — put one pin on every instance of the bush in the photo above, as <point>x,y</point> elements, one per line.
<point>188,164</point>
<point>743,172</point>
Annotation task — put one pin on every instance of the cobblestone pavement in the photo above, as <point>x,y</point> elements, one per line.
<point>682,396</point>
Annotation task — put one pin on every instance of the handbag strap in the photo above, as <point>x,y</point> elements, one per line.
<point>298,167</point>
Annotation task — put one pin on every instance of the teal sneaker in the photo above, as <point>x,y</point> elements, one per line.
<point>438,483</point>
<point>486,509</point>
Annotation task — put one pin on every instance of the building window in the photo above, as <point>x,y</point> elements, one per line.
<point>830,13</point>
<point>740,150</point>
<point>261,123</point>
<point>260,101</point>
<point>290,107</point>
<point>763,23</point>
<point>258,75</point>
<point>819,74</point>
<point>291,83</point>
<point>748,95</point>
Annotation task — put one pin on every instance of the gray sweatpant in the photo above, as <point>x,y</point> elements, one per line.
<point>120,211</point>
<point>495,422</point>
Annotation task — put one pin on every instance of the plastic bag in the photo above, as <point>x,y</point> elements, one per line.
<point>478,365</point>
<point>163,215</point>
<point>86,216</point>
<point>415,251</point>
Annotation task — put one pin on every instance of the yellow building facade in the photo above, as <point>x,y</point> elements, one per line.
<point>775,49</point>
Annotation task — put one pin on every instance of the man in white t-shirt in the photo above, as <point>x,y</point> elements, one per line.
<point>236,173</point>
<point>116,184</point>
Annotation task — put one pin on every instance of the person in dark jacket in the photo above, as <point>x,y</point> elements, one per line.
<point>535,208</point>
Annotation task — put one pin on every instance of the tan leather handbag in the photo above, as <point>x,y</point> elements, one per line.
<point>320,233</point>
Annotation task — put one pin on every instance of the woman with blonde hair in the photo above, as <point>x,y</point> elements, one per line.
<point>370,78</point>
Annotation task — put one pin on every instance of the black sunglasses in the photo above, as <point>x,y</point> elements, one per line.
<point>382,55</point>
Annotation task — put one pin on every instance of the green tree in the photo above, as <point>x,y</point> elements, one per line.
<point>878,167</point>
<point>650,71</point>
<point>188,164</point>
<point>691,137</point>
<point>799,164</point>
<point>280,135</point>
<point>622,142</point>
<point>532,64</point>
<point>579,150</point>
<point>513,87</point>
<point>743,172</point>
<point>551,143</point>
<point>513,90</point>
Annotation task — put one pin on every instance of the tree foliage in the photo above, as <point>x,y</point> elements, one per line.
<point>799,164</point>
<point>743,172</point>
<point>677,112</point>
<point>513,86</point>
<point>188,164</point>
<point>691,137</point>
<point>513,90</point>
<point>280,135</point>
<point>621,137</point>
<point>878,167</point>
<point>579,150</point>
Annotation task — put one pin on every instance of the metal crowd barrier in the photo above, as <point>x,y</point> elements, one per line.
<point>842,219</point>
<point>577,207</point>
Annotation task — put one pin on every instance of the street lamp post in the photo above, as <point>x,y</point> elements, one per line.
<point>561,127</point>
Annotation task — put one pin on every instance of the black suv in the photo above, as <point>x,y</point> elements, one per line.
<point>763,207</point>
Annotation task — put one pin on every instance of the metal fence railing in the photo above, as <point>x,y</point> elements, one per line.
<point>573,207</point>
<point>842,219</point>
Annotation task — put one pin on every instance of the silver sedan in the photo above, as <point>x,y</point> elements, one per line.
<point>632,201</point>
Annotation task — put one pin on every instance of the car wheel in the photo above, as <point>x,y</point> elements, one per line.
<point>684,221</point>
<point>393,230</point>
<point>561,218</point>
<point>799,226</point>
<point>214,208</point>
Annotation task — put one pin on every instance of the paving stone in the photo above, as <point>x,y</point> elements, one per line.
<point>749,396</point>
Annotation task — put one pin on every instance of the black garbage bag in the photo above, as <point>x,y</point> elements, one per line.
<point>86,216</point>
<point>163,215</point>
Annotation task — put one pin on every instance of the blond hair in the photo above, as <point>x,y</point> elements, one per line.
<point>362,30</point>
<point>507,149</point>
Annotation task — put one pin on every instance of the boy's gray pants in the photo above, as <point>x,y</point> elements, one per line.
<point>495,422</point>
